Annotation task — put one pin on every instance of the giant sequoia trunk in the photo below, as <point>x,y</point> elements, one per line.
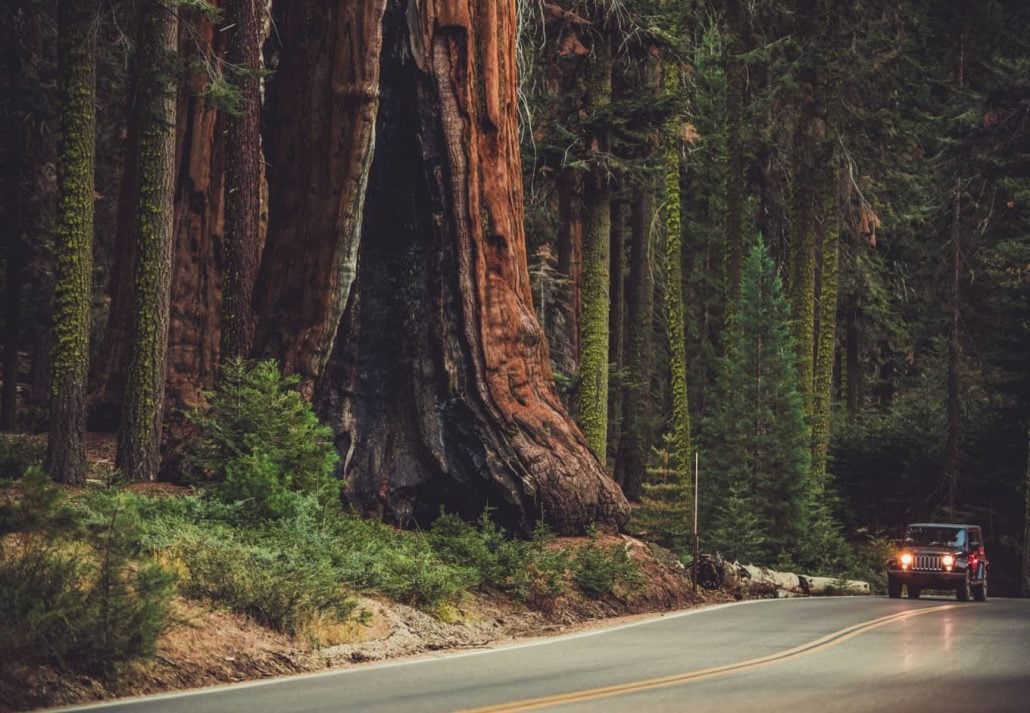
<point>321,121</point>
<point>439,387</point>
<point>194,325</point>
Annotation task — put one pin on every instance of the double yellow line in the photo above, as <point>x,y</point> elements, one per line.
<point>821,644</point>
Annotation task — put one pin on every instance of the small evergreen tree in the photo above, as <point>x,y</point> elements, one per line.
<point>262,442</point>
<point>736,531</point>
<point>755,436</point>
<point>664,515</point>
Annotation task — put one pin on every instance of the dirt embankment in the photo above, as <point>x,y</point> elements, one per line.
<point>208,647</point>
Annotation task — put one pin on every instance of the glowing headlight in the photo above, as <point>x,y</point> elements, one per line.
<point>948,560</point>
<point>906,560</point>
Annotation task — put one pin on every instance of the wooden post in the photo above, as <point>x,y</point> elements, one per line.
<point>693,565</point>
<point>1023,584</point>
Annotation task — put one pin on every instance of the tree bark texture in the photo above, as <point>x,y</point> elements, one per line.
<point>194,323</point>
<point>139,438</point>
<point>617,327</point>
<point>439,387</point>
<point>592,405</point>
<point>822,387</point>
<point>242,244</point>
<point>675,310</point>
<point>77,32</point>
<point>322,103</point>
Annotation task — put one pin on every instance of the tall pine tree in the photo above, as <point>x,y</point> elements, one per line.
<point>756,444</point>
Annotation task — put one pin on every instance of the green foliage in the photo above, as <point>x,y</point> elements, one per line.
<point>736,531</point>
<point>34,505</point>
<point>82,603</point>
<point>276,585</point>
<point>666,514</point>
<point>605,569</point>
<point>529,570</point>
<point>263,443</point>
<point>17,454</point>
<point>755,435</point>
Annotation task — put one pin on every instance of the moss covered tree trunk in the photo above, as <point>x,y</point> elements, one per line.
<point>322,104</point>
<point>592,411</point>
<point>77,31</point>
<point>674,303</point>
<point>194,321</point>
<point>617,326</point>
<point>822,388</point>
<point>439,387</point>
<point>139,438</point>
<point>243,179</point>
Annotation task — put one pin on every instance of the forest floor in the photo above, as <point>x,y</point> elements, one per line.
<point>208,646</point>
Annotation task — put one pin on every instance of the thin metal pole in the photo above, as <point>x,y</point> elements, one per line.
<point>697,473</point>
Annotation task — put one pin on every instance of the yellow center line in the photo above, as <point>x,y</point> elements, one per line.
<point>811,647</point>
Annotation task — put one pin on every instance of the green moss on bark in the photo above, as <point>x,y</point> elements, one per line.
<point>594,335</point>
<point>822,387</point>
<point>73,240</point>
<point>140,436</point>
<point>681,445</point>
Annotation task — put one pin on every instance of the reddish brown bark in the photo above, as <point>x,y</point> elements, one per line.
<point>440,386</point>
<point>194,327</point>
<point>322,107</point>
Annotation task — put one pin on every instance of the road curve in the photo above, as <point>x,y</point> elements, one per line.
<point>830,654</point>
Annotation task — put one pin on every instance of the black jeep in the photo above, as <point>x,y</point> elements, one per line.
<point>940,556</point>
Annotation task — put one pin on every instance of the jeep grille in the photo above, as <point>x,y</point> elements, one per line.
<point>928,562</point>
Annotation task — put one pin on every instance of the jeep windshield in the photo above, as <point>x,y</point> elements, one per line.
<point>935,537</point>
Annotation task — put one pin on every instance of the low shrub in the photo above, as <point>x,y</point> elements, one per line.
<point>277,587</point>
<point>18,453</point>
<point>604,569</point>
<point>82,603</point>
<point>528,570</point>
<point>261,442</point>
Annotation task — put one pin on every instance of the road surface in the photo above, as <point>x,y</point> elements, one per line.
<point>848,654</point>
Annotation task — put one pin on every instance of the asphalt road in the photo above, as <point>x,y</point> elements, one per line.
<point>832,654</point>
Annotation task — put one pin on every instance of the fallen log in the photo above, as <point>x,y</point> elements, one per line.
<point>751,581</point>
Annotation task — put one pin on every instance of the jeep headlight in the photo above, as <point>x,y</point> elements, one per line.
<point>948,561</point>
<point>906,560</point>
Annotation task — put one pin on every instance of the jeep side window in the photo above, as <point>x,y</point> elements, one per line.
<point>974,540</point>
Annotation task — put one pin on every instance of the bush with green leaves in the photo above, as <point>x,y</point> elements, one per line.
<point>18,453</point>
<point>262,443</point>
<point>604,569</point>
<point>528,570</point>
<point>76,595</point>
<point>276,586</point>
